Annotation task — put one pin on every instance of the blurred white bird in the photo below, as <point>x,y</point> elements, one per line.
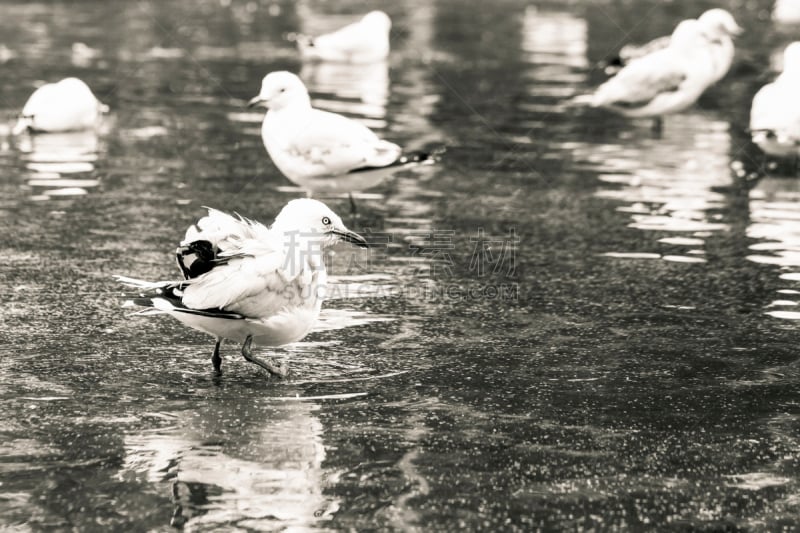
<point>249,283</point>
<point>719,28</point>
<point>665,81</point>
<point>307,143</point>
<point>786,11</point>
<point>68,105</point>
<point>775,114</point>
<point>364,41</point>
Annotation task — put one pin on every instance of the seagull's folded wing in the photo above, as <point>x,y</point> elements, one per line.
<point>642,80</point>
<point>255,285</point>
<point>247,274</point>
<point>350,39</point>
<point>630,52</point>
<point>333,144</point>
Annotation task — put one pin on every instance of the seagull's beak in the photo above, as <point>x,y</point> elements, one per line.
<point>736,30</point>
<point>351,237</point>
<point>257,101</point>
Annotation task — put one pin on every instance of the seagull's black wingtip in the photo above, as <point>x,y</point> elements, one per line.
<point>422,157</point>
<point>408,158</point>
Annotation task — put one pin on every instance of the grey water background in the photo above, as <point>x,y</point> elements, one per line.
<point>571,323</point>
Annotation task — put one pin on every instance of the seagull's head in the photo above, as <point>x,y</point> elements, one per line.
<point>311,221</point>
<point>280,89</point>
<point>378,20</point>
<point>719,23</point>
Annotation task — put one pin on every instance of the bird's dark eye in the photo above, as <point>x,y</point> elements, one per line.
<point>326,221</point>
<point>283,90</point>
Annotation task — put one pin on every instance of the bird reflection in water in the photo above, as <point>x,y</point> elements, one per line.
<point>60,162</point>
<point>255,466</point>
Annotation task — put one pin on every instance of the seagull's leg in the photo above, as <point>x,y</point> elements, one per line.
<point>280,371</point>
<point>216,360</point>
<point>353,207</point>
<point>658,127</point>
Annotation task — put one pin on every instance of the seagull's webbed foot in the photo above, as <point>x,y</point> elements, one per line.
<point>281,371</point>
<point>216,360</point>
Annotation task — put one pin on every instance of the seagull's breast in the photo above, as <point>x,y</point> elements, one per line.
<point>299,304</point>
<point>282,132</point>
<point>722,51</point>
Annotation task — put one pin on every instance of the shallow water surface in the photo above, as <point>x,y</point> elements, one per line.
<point>567,322</point>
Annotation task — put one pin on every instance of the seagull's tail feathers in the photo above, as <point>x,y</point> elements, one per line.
<point>612,65</point>
<point>421,157</point>
<point>294,37</point>
<point>761,135</point>
<point>166,297</point>
<point>778,135</point>
<point>149,297</point>
<point>24,123</point>
<point>305,43</point>
<point>582,100</point>
<point>407,159</point>
<point>142,284</point>
<point>148,303</point>
<point>609,93</point>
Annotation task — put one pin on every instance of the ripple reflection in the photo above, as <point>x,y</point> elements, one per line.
<point>670,184</point>
<point>51,157</point>
<point>256,468</point>
<point>775,222</point>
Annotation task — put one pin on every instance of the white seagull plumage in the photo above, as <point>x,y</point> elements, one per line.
<point>786,11</point>
<point>718,26</point>
<point>307,143</point>
<point>665,81</point>
<point>365,41</point>
<point>775,113</point>
<point>249,283</point>
<point>68,105</point>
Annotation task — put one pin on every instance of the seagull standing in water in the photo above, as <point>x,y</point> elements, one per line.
<point>775,114</point>
<point>663,82</point>
<point>719,28</point>
<point>365,41</point>
<point>68,105</point>
<point>249,283</point>
<point>307,144</point>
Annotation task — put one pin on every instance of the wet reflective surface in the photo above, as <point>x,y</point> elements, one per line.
<point>570,322</point>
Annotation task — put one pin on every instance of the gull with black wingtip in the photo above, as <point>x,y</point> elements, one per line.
<point>308,144</point>
<point>249,283</point>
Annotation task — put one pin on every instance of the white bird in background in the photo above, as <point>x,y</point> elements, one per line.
<point>719,28</point>
<point>249,283</point>
<point>775,114</point>
<point>68,105</point>
<point>666,81</point>
<point>364,41</point>
<point>307,143</point>
<point>786,12</point>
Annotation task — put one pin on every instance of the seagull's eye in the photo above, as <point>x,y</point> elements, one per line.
<point>326,221</point>
<point>283,89</point>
